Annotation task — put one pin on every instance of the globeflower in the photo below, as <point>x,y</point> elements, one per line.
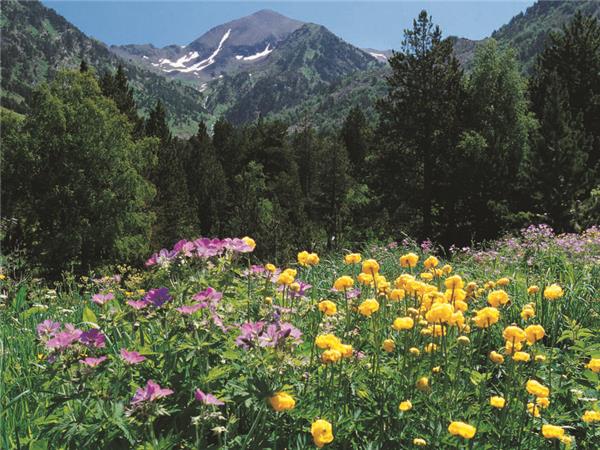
<point>389,345</point>
<point>342,283</point>
<point>322,432</point>
<point>368,307</point>
<point>352,258</point>
<point>532,290</point>
<point>423,384</point>
<point>431,262</point>
<point>513,333</point>
<point>534,333</point>
<point>326,341</point>
<point>303,258</point>
<point>454,282</point>
<point>409,260</point>
<point>419,442</point>
<point>553,292</point>
<point>249,242</point>
<point>403,323</point>
<point>370,266</point>
<point>285,279</point>
<point>536,388</point>
<point>528,312</point>
<point>594,365</point>
<point>497,402</point>
<point>486,317</point>
<point>552,431</point>
<point>591,416</point>
<point>397,294</point>
<point>440,312</point>
<point>498,298</point>
<point>504,281</point>
<point>462,429</point>
<point>533,409</point>
<point>327,307</point>
<point>521,357</point>
<point>404,406</point>
<point>496,357</point>
<point>282,401</point>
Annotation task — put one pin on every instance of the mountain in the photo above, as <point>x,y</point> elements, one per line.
<point>37,42</point>
<point>233,46</point>
<point>308,63</point>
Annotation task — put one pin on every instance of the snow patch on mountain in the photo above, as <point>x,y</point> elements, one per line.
<point>199,66</point>
<point>265,52</point>
<point>378,56</point>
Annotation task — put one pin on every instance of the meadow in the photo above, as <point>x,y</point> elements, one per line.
<point>390,346</point>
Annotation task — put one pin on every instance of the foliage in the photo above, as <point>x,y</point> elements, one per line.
<point>221,356</point>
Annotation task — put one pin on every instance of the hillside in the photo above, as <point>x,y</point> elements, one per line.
<point>37,42</point>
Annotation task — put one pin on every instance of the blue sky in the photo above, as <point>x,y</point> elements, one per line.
<point>377,24</point>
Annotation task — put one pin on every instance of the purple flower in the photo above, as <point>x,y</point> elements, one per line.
<point>93,338</point>
<point>158,297</point>
<point>190,309</point>
<point>101,299</point>
<point>132,357</point>
<point>205,248</point>
<point>137,304</point>
<point>208,295</point>
<point>151,392</point>
<point>207,399</point>
<point>236,245</point>
<point>93,362</point>
<point>275,334</point>
<point>64,339</point>
<point>47,328</point>
<point>249,332</point>
<point>161,258</point>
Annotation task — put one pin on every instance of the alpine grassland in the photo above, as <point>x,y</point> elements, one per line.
<point>394,345</point>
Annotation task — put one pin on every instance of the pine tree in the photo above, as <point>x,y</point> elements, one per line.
<point>354,136</point>
<point>419,126</point>
<point>564,89</point>
<point>83,66</point>
<point>116,87</point>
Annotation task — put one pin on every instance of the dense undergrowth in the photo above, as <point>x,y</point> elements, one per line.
<point>389,348</point>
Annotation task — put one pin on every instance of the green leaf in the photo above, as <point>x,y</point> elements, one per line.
<point>89,316</point>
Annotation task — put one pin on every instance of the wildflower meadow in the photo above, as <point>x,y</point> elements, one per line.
<point>388,346</point>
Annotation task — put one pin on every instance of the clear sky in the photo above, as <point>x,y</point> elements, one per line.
<point>377,24</point>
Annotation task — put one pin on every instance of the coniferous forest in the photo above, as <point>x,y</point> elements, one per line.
<point>455,157</point>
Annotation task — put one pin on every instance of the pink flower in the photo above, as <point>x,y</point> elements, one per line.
<point>138,304</point>
<point>190,309</point>
<point>101,299</point>
<point>207,399</point>
<point>93,362</point>
<point>151,392</point>
<point>132,357</point>
<point>65,338</point>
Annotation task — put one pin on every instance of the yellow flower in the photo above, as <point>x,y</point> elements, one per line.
<point>303,258</point>
<point>331,356</point>
<point>342,283</point>
<point>498,298</point>
<point>486,317</point>
<point>397,294</point>
<point>291,272</point>
<point>345,350</point>
<point>512,347</point>
<point>352,258</point>
<point>414,351</point>
<point>370,266</point>
<point>528,312</point>
<point>521,356</point>
<point>431,262</point>
<point>542,402</point>
<point>327,341</point>
<point>514,333</point>
<point>368,307</point>
<point>419,442</point>
<point>536,388</point>
<point>454,282</point>
<point>439,312</point>
<point>540,358</point>
<point>462,429</point>
<point>403,280</point>
<point>249,242</point>
<point>591,416</point>
<point>285,278</point>
<point>406,405</point>
<point>389,345</point>
<point>431,347</point>
<point>409,260</point>
<point>497,402</point>
<point>533,410</point>
<point>295,286</point>
<point>403,323</point>
<point>496,357</point>
<point>594,365</point>
<point>423,384</point>
<point>504,281</point>
<point>327,307</point>
<point>447,269</point>
<point>365,278</point>
<point>532,290</point>
<point>534,333</point>
<point>553,292</point>
<point>322,432</point>
<point>270,267</point>
<point>552,431</point>
<point>427,276</point>
<point>2,277</point>
<point>463,340</point>
<point>282,401</point>
<point>313,259</point>
<point>436,369</point>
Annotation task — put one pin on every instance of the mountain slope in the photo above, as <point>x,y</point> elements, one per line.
<point>37,42</point>
<point>227,48</point>
<point>308,63</point>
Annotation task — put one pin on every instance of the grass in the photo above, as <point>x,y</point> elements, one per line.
<point>49,398</point>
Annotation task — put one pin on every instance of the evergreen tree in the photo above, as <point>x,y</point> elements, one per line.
<point>419,125</point>
<point>565,93</point>
<point>87,204</point>
<point>229,148</point>
<point>156,124</point>
<point>83,66</point>
<point>116,87</point>
<point>354,135</point>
